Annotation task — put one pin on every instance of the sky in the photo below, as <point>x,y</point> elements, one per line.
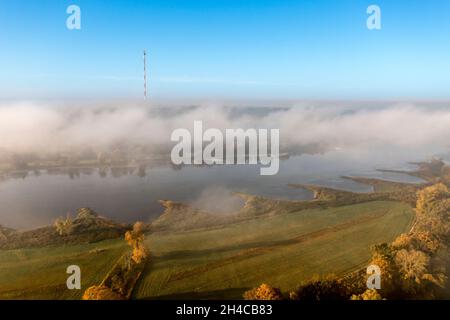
<point>226,49</point>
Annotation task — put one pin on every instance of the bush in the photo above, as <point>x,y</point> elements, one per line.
<point>369,294</point>
<point>263,292</point>
<point>330,288</point>
<point>101,292</point>
<point>135,239</point>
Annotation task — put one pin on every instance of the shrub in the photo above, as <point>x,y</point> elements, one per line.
<point>330,288</point>
<point>263,292</point>
<point>64,226</point>
<point>135,239</point>
<point>369,294</point>
<point>101,292</point>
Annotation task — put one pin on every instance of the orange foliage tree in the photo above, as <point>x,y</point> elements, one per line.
<point>101,292</point>
<point>263,292</point>
<point>369,294</point>
<point>135,239</point>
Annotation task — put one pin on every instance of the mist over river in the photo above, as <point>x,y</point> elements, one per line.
<point>324,143</point>
<point>35,199</point>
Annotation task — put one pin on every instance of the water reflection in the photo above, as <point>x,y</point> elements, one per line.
<point>130,193</point>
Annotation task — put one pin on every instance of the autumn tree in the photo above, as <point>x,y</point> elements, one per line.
<point>426,242</point>
<point>101,292</point>
<point>433,201</point>
<point>63,226</point>
<point>383,256</point>
<point>418,277</point>
<point>135,239</point>
<point>412,264</point>
<point>328,288</point>
<point>403,241</point>
<point>421,240</point>
<point>263,292</point>
<point>369,294</point>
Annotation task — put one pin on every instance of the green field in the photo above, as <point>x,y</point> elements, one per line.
<point>41,273</point>
<point>282,250</point>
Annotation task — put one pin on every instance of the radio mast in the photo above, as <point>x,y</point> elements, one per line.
<point>145,75</point>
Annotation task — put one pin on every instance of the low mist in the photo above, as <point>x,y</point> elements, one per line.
<point>34,127</point>
<point>218,200</point>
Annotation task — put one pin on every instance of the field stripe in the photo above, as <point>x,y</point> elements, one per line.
<point>252,252</point>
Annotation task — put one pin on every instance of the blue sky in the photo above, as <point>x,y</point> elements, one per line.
<point>253,49</point>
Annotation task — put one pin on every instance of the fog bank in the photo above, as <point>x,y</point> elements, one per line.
<point>33,127</point>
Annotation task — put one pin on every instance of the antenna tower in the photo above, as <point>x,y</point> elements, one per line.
<point>145,75</point>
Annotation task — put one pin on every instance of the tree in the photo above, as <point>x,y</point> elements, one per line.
<point>63,226</point>
<point>369,294</point>
<point>418,275</point>
<point>403,241</point>
<point>263,292</point>
<point>135,239</point>
<point>383,257</point>
<point>420,240</point>
<point>433,201</point>
<point>412,264</point>
<point>330,288</point>
<point>101,292</point>
<point>433,210</point>
<point>426,241</point>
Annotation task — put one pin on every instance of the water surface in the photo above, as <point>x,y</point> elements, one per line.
<point>37,198</point>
